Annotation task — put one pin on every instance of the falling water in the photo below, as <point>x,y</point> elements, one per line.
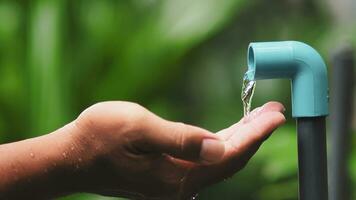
<point>248,88</point>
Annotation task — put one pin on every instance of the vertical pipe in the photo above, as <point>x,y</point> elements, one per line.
<point>341,111</point>
<point>312,158</point>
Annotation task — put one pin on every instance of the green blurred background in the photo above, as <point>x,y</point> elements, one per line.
<point>182,59</point>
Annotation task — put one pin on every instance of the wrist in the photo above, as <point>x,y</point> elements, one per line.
<point>60,161</point>
<point>65,161</point>
<point>73,159</point>
<point>84,158</point>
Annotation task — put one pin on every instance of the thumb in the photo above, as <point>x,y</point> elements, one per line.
<point>186,142</point>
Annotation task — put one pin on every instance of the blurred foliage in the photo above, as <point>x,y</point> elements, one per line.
<point>182,59</point>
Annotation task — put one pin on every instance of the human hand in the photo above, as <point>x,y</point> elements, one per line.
<point>128,151</point>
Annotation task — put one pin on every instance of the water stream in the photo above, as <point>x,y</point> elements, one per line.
<point>248,88</point>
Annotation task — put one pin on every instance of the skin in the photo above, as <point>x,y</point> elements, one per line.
<point>122,149</point>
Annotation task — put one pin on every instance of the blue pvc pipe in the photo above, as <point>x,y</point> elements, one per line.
<point>307,71</point>
<point>300,63</point>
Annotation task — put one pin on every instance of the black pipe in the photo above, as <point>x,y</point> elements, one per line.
<point>312,161</point>
<point>343,62</point>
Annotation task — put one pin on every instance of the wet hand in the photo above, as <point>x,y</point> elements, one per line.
<point>130,152</point>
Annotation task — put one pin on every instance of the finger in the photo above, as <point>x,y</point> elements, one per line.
<point>255,131</point>
<point>241,147</point>
<point>227,132</point>
<point>268,107</point>
<point>185,142</point>
<point>247,140</point>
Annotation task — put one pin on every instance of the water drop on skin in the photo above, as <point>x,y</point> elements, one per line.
<point>32,155</point>
<point>64,155</point>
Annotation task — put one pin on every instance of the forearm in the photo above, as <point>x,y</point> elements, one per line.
<point>40,167</point>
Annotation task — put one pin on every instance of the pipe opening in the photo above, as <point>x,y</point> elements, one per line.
<point>251,58</point>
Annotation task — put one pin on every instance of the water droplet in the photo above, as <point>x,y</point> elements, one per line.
<point>64,155</point>
<point>32,155</point>
<point>194,197</point>
<point>72,148</point>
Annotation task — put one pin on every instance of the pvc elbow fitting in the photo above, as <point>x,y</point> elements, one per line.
<point>295,61</point>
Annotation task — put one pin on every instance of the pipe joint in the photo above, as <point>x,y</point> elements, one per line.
<point>298,62</point>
